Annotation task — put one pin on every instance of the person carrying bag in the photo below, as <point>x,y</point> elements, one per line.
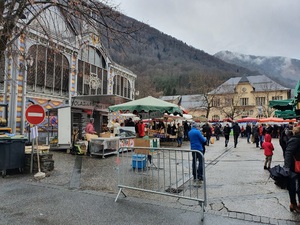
<point>292,156</point>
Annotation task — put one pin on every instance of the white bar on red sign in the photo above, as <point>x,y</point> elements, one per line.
<point>35,114</point>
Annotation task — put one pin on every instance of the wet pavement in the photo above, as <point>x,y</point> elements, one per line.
<point>82,190</point>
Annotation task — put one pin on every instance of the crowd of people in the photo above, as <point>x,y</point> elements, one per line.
<point>261,135</point>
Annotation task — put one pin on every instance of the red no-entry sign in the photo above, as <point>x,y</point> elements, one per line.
<point>35,114</point>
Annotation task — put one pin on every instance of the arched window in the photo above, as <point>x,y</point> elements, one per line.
<point>92,72</point>
<point>50,71</point>
<point>122,86</point>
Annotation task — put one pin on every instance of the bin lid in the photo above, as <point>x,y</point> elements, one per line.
<point>16,137</point>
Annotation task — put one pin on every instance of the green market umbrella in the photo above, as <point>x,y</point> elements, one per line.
<point>287,104</point>
<point>147,104</point>
<point>287,114</point>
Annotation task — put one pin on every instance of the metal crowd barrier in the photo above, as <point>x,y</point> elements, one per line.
<point>162,171</point>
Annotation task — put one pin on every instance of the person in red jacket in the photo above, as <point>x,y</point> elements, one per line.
<point>141,129</point>
<point>268,150</point>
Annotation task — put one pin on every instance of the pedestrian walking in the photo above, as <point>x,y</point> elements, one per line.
<point>284,137</point>
<point>248,132</point>
<point>255,134</point>
<point>196,142</point>
<point>207,132</point>
<point>217,131</point>
<point>268,151</point>
<point>261,134</point>
<point>179,132</point>
<point>291,155</point>
<point>226,131</point>
<point>236,133</point>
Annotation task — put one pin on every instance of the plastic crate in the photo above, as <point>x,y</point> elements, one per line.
<point>138,161</point>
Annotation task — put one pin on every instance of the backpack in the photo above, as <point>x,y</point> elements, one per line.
<point>280,176</point>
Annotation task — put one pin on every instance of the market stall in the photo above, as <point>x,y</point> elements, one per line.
<point>109,146</point>
<point>146,106</point>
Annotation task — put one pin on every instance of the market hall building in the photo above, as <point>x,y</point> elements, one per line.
<point>68,69</point>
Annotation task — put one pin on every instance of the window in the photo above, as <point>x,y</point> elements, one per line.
<point>277,97</point>
<point>244,101</point>
<point>260,101</point>
<point>216,102</point>
<point>92,73</point>
<point>216,117</point>
<point>122,86</point>
<point>50,71</point>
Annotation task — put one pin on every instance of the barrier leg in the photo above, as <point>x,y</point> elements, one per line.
<point>202,210</point>
<point>120,190</point>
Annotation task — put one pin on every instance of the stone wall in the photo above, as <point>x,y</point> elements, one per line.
<point>46,162</point>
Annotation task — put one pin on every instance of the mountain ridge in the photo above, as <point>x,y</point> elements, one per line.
<point>167,66</point>
<point>282,69</point>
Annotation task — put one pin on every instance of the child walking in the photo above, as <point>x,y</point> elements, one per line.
<point>268,151</point>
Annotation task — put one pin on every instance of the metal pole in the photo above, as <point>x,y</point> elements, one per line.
<point>32,151</point>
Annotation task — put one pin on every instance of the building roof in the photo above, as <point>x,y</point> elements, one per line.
<point>187,101</point>
<point>173,99</point>
<point>258,82</point>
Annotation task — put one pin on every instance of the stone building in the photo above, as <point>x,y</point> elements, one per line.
<point>52,70</point>
<point>246,96</point>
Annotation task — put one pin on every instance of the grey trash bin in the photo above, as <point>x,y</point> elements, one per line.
<point>12,154</point>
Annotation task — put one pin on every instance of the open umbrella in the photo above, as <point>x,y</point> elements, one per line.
<point>275,120</point>
<point>147,104</point>
<point>247,120</point>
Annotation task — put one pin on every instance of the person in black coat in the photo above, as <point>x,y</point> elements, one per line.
<point>217,131</point>
<point>292,153</point>
<point>236,133</point>
<point>255,133</point>
<point>284,137</point>
<point>248,132</point>
<point>206,129</point>
<point>226,132</point>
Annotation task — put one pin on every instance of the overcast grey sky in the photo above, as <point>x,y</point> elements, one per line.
<point>255,27</point>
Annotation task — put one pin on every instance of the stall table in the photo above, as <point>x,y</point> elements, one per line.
<point>107,146</point>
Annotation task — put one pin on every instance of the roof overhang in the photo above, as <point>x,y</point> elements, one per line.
<point>97,102</point>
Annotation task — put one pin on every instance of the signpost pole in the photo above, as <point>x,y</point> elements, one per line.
<point>35,114</point>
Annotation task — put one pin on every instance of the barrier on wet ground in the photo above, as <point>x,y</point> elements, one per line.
<point>163,171</point>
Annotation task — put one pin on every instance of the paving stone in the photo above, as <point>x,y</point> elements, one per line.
<point>232,214</point>
<point>282,222</point>
<point>273,221</point>
<point>240,216</point>
<point>256,218</point>
<point>248,217</point>
<point>265,219</point>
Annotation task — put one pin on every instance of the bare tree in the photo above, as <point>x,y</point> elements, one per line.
<point>17,15</point>
<point>207,85</point>
<point>227,101</point>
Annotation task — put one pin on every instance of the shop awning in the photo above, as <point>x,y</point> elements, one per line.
<point>287,114</point>
<point>97,102</point>
<point>287,104</point>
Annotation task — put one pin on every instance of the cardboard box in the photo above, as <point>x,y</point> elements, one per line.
<point>140,142</point>
<point>105,134</point>
<point>138,161</point>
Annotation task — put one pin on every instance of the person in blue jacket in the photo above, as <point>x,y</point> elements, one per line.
<point>196,141</point>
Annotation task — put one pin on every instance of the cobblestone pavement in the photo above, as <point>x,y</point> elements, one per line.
<point>237,185</point>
